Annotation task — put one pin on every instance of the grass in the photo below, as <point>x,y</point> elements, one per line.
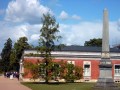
<point>65,86</point>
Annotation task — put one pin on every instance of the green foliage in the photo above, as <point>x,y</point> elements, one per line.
<point>60,46</point>
<point>62,69</point>
<point>11,56</point>
<point>94,42</point>
<point>19,48</point>
<point>32,55</point>
<point>49,32</point>
<point>56,71</point>
<point>70,76</point>
<point>33,69</point>
<point>1,66</point>
<point>5,55</point>
<point>13,60</point>
<point>78,72</point>
<point>48,36</point>
<point>42,70</point>
<point>73,72</point>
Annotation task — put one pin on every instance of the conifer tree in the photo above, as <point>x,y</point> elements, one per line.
<point>5,55</point>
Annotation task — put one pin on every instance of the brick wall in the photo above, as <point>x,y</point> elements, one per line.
<point>78,62</point>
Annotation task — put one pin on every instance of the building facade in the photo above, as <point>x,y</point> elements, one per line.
<point>86,57</point>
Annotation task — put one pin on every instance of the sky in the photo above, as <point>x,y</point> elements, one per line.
<point>79,20</point>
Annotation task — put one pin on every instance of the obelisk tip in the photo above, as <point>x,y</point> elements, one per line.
<point>105,9</point>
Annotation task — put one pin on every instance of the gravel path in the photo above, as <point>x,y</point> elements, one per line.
<point>7,84</point>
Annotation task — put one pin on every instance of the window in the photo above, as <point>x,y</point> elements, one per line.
<point>117,70</point>
<point>71,62</point>
<point>86,70</point>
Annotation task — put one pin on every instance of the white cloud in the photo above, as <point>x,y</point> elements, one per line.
<point>35,37</point>
<point>29,11</point>
<point>84,31</point>
<point>118,24</point>
<point>76,17</point>
<point>71,34</point>
<point>15,32</point>
<point>63,15</point>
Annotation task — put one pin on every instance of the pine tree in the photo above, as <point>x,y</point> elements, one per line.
<point>6,51</point>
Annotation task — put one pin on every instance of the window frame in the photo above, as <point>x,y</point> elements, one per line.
<point>118,71</point>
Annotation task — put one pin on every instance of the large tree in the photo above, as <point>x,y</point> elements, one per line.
<point>48,36</point>
<point>19,48</point>
<point>5,55</point>
<point>94,42</point>
<point>13,60</point>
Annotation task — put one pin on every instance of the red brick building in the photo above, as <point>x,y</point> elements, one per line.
<point>86,57</point>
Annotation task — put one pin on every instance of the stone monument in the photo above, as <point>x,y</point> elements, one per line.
<point>105,81</point>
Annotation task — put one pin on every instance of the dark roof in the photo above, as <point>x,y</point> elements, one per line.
<point>85,49</point>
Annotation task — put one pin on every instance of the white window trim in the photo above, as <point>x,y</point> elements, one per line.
<point>87,63</point>
<point>114,70</point>
<point>71,62</point>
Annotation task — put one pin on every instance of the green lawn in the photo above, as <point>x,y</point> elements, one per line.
<point>65,86</point>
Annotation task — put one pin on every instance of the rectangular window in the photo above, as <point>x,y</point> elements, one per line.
<point>71,62</point>
<point>86,70</point>
<point>117,70</point>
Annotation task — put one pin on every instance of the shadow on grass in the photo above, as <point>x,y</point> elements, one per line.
<point>54,83</point>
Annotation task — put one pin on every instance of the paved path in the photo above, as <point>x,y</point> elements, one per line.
<point>7,84</point>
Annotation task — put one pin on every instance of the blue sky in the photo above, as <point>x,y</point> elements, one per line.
<point>87,9</point>
<point>80,20</point>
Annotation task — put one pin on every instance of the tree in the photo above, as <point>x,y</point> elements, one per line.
<point>19,47</point>
<point>13,62</point>
<point>70,73</point>
<point>94,42</point>
<point>63,66</point>
<point>5,55</point>
<point>1,66</point>
<point>48,36</point>
<point>78,72</point>
<point>55,71</point>
<point>73,72</point>
<point>33,69</point>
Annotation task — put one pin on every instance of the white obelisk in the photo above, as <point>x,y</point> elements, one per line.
<point>105,80</point>
<point>105,35</point>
